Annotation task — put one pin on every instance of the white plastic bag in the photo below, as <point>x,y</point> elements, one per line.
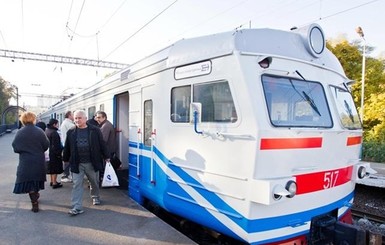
<point>46,155</point>
<point>109,177</point>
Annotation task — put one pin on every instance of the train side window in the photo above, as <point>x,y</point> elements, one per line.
<point>217,102</point>
<point>180,104</point>
<point>91,112</point>
<point>101,107</point>
<point>147,122</point>
<point>296,103</point>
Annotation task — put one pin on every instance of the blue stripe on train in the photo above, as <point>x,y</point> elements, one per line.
<point>180,202</point>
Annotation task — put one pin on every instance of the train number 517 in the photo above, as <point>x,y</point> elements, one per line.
<point>330,179</point>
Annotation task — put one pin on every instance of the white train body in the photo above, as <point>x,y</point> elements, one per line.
<point>252,133</point>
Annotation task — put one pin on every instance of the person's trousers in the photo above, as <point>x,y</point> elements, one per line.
<point>78,188</point>
<point>66,169</point>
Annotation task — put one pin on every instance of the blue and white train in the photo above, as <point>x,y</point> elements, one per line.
<point>251,133</point>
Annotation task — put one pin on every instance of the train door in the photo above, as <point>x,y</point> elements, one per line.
<point>135,143</point>
<point>149,135</point>
<point>121,125</point>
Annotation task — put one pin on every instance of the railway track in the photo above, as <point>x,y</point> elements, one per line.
<point>369,216</point>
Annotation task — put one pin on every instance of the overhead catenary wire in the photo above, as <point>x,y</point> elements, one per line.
<point>77,21</point>
<point>141,28</point>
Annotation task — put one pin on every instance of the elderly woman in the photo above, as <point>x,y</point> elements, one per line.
<point>30,143</point>
<point>55,163</point>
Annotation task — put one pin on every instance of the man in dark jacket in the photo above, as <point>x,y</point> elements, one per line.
<point>85,151</point>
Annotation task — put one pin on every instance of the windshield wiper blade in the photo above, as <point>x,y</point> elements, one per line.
<point>349,111</point>
<point>311,102</point>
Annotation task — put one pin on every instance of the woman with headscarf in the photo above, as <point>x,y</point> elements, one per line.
<point>55,163</point>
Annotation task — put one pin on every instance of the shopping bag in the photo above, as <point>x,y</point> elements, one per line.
<point>115,161</point>
<point>109,177</point>
<point>46,155</point>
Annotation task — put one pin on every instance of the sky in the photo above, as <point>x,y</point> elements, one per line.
<point>126,31</point>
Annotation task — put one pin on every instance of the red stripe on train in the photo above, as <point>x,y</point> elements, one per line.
<point>291,143</point>
<point>323,180</point>
<point>354,140</point>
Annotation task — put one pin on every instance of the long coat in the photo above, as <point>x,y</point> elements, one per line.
<point>31,143</point>
<point>97,148</point>
<point>55,151</point>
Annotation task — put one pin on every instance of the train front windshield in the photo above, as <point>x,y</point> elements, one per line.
<point>346,109</point>
<point>296,103</point>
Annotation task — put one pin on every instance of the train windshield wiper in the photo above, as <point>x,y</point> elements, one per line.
<point>307,97</point>
<point>349,111</point>
<point>311,102</point>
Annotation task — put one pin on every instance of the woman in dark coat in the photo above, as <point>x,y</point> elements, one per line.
<point>30,143</point>
<point>55,163</point>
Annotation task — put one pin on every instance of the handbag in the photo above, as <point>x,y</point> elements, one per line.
<point>109,178</point>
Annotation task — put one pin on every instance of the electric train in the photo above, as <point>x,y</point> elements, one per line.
<point>251,133</point>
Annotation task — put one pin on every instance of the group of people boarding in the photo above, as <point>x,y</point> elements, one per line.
<point>81,149</point>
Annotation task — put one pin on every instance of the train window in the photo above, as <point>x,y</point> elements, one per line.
<point>180,104</point>
<point>147,122</point>
<point>296,103</point>
<point>217,102</point>
<point>101,107</point>
<point>91,112</point>
<point>346,109</point>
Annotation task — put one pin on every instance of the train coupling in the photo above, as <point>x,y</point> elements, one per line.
<point>327,230</point>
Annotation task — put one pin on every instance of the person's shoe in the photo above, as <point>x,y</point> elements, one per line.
<point>57,185</point>
<point>75,211</point>
<point>50,183</point>
<point>35,207</point>
<point>66,179</point>
<point>95,201</point>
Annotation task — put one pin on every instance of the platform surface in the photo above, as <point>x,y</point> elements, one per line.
<point>118,220</point>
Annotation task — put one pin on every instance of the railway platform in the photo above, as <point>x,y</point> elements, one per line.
<point>118,220</point>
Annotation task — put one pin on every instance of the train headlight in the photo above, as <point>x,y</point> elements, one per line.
<point>361,172</point>
<point>291,187</point>
<point>314,39</point>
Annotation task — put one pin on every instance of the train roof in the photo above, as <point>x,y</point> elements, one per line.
<point>264,42</point>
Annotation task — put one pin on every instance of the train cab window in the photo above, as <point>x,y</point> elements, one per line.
<point>346,109</point>
<point>215,97</point>
<point>296,103</point>
<point>217,102</point>
<point>147,122</point>
<point>91,112</point>
<point>180,104</point>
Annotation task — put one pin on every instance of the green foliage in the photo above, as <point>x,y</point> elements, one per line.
<point>6,93</point>
<point>373,151</point>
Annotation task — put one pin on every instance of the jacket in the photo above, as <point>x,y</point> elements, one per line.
<point>31,143</point>
<point>108,133</point>
<point>97,148</point>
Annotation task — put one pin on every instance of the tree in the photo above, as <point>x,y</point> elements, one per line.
<point>6,93</point>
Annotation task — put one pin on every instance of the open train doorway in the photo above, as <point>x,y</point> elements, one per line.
<point>121,124</point>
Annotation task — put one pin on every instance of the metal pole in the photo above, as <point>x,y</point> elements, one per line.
<point>363,80</point>
<point>17,106</point>
<point>360,32</point>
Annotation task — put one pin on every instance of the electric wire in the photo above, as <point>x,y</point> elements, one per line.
<point>100,28</point>
<point>22,22</point>
<point>141,28</point>
<point>77,21</point>
<point>346,10</point>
